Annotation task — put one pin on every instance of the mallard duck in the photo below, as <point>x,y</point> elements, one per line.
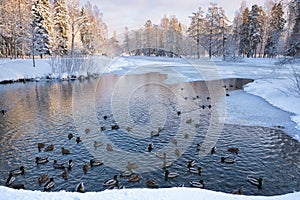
<point>167,164</point>
<point>197,184</point>
<point>39,160</point>
<point>78,139</point>
<point>97,144</point>
<point>128,129</point>
<point>43,178</point>
<point>197,125</point>
<point>213,150</point>
<point>65,151</point>
<point>40,146</point>
<point>131,166</point>
<point>102,128</point>
<point>126,173</point>
<point>154,134</point>
<point>87,130</point>
<point>150,147</point>
<point>96,162</point>
<point>79,187</point>
<point>189,121</point>
<point>70,164</point>
<point>159,129</point>
<point>115,127</point>
<point>85,168</point>
<point>18,186</point>
<point>198,147</point>
<point>49,148</point>
<point>50,184</point>
<point>186,136</point>
<point>177,152</point>
<point>191,163</point>
<point>255,181</point>
<point>195,170</point>
<point>109,147</point>
<point>174,141</point>
<point>209,106</point>
<point>10,180</point>
<point>64,174</point>
<point>203,107</point>
<point>70,136</point>
<point>151,183</point>
<point>111,182</point>
<point>233,150</point>
<point>19,171</point>
<point>239,191</point>
<point>170,174</point>
<point>105,117</point>
<point>227,160</point>
<point>178,113</point>
<point>58,166</point>
<point>135,178</point>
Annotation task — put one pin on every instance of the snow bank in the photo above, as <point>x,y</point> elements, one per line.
<point>139,194</point>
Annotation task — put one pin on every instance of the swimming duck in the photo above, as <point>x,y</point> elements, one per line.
<point>43,178</point>
<point>85,168</point>
<point>87,131</point>
<point>128,129</point>
<point>102,128</point>
<point>154,134</point>
<point>213,150</point>
<point>39,160</point>
<point>255,181</point>
<point>79,187</point>
<point>178,113</point>
<point>177,152</point>
<point>159,129</point>
<point>64,174</point>
<point>109,147</point>
<point>19,171</point>
<point>3,112</point>
<point>49,148</point>
<point>203,107</point>
<point>186,136</point>
<point>58,166</point>
<point>78,139</point>
<point>198,147</point>
<point>167,164</point>
<point>70,164</point>
<point>50,184</point>
<point>135,178</point>
<point>126,173</point>
<point>197,125</point>
<point>115,127</point>
<point>105,117</point>
<point>131,166</point>
<point>97,144</point>
<point>40,146</point>
<point>10,180</point>
<point>151,183</point>
<point>239,191</point>
<point>195,170</point>
<point>150,147</point>
<point>170,174</point>
<point>191,163</point>
<point>65,151</point>
<point>96,162</point>
<point>174,141</point>
<point>18,186</point>
<point>227,160</point>
<point>197,184</point>
<point>189,121</point>
<point>70,136</point>
<point>111,182</point>
<point>233,150</point>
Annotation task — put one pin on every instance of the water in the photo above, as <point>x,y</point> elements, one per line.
<point>48,111</point>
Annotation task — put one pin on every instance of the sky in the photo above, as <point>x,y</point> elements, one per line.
<point>134,13</point>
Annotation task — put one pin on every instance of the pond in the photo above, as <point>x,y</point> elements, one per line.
<point>173,118</point>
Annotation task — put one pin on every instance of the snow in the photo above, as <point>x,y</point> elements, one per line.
<point>138,194</point>
<point>268,101</point>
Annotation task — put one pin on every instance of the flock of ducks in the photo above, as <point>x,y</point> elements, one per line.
<point>113,183</point>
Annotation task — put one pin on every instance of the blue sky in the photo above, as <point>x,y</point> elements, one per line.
<point>134,13</point>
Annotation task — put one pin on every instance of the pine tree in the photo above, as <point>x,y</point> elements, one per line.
<point>276,23</point>
<point>244,34</point>
<point>61,27</point>
<point>293,48</point>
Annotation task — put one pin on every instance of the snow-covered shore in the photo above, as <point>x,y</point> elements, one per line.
<point>139,194</point>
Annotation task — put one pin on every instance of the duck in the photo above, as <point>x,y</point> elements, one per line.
<point>135,178</point>
<point>49,148</point>
<point>150,147</point>
<point>227,160</point>
<point>96,162</point>
<point>170,174</point>
<point>174,141</point>
<point>105,117</point>
<point>111,182</point>
<point>191,163</point>
<point>85,168</point>
<point>209,106</point>
<point>39,160</point>
<point>189,121</point>
<point>186,136</point>
<point>255,181</point>
<point>177,152</point>
<point>57,165</point>
<point>78,139</point>
<point>198,147</point>
<point>109,147</point>
<point>3,112</point>
<point>195,170</point>
<point>19,171</point>
<point>178,113</point>
<point>64,174</point>
<point>154,134</point>
<point>167,164</point>
<point>70,164</point>
<point>115,127</point>
<point>131,166</point>
<point>239,191</point>
<point>128,129</point>
<point>197,125</point>
<point>10,180</point>
<point>18,186</point>
<point>233,150</point>
<point>197,184</point>
<point>79,187</point>
<point>203,107</point>
<point>65,151</point>
<point>213,150</point>
<point>70,136</point>
<point>50,184</point>
<point>151,183</point>
<point>159,129</point>
<point>126,173</point>
<point>43,178</point>
<point>40,146</point>
<point>102,128</point>
<point>87,130</point>
<point>97,144</point>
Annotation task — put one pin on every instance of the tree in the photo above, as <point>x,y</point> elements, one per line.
<point>244,34</point>
<point>276,25</point>
<point>61,27</point>
<point>293,43</point>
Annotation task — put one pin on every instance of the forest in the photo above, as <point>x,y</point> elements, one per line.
<point>67,28</point>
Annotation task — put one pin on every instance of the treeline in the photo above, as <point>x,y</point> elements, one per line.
<point>254,32</point>
<point>43,27</point>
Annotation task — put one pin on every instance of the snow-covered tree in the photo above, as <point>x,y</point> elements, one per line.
<point>276,25</point>
<point>244,47</point>
<point>293,39</point>
<point>61,27</point>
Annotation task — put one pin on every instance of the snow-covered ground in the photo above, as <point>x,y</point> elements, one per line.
<point>268,101</point>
